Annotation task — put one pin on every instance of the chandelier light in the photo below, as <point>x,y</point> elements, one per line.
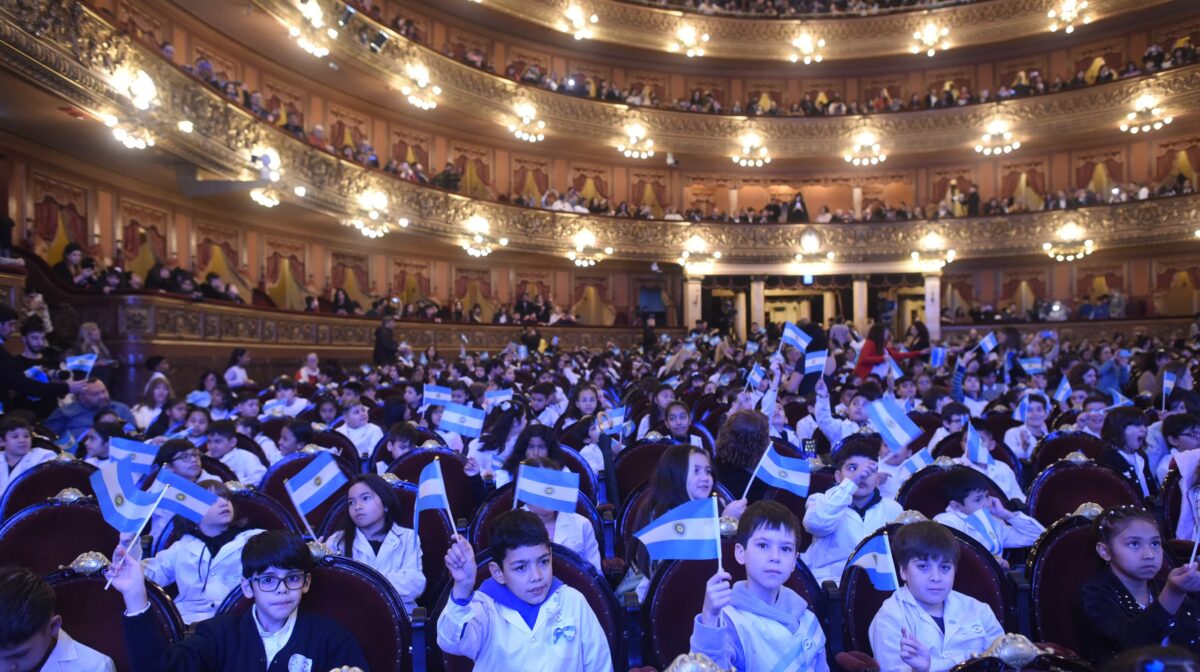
<point>420,92</point>
<point>479,242</point>
<point>810,249</point>
<point>754,152</point>
<point>266,162</point>
<point>636,145</point>
<point>578,23</point>
<point>689,41</point>
<point>1071,244</point>
<point>586,252</point>
<point>136,85</point>
<point>696,258</point>
<point>1147,116</point>
<point>528,127</point>
<point>930,38</point>
<point>808,49</point>
<point>374,202</point>
<point>1064,15</point>
<point>267,198</point>
<point>866,150</point>
<point>997,140</point>
<point>368,228</point>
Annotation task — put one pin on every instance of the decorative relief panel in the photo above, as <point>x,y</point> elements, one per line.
<point>143,24</point>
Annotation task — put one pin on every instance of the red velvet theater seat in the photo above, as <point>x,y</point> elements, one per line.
<point>462,497</point>
<point>46,536</point>
<point>1063,486</point>
<point>43,482</point>
<point>923,491</point>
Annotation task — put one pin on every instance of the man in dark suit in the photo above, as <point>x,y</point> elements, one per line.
<point>972,201</point>
<point>798,210</point>
<point>385,341</point>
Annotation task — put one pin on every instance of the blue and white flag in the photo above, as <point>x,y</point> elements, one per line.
<point>37,373</point>
<point>274,408</point>
<point>199,398</point>
<point>751,347</point>
<point>988,343</point>
<point>613,422</point>
<point>66,443</point>
<point>1063,392</point>
<point>493,397</point>
<point>787,473</point>
<point>756,376</point>
<point>1033,366</point>
<point>462,420</point>
<point>985,531</point>
<point>431,493</point>
<point>140,455</point>
<point>976,451</point>
<point>795,337</point>
<point>892,423</point>
<point>124,506</point>
<point>937,357</point>
<point>1120,399</point>
<point>690,531</point>
<point>436,395</point>
<point>1168,386</point>
<point>814,362</point>
<point>315,483</point>
<point>1022,410</point>
<point>920,459</point>
<point>875,558</point>
<point>548,488</point>
<point>893,366</point>
<point>81,363</point>
<point>522,352</point>
<point>184,497</point>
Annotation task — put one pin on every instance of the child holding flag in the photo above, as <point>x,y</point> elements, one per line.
<point>565,527</point>
<point>760,619</point>
<point>19,455</point>
<point>978,446</point>
<point>1024,437</point>
<point>973,511</point>
<point>926,626</point>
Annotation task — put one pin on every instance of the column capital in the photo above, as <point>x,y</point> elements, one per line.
<point>758,278</point>
<point>860,277</point>
<point>932,274</point>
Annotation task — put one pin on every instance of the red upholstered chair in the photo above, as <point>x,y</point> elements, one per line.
<point>1065,419</point>
<point>92,615</point>
<point>251,446</point>
<point>340,445</point>
<point>575,572</point>
<point>435,532</point>
<point>363,602</point>
<point>46,536</point>
<point>636,464</point>
<point>288,467</point>
<point>43,482</point>
<point>1063,486</point>
<point>819,481</point>
<point>1170,499</point>
<point>274,425</point>
<point>501,500</point>
<point>1058,445</point>
<point>575,436</point>
<point>978,576</point>
<point>928,421</point>
<point>218,469</point>
<point>379,453</point>
<point>923,490</point>
<point>259,510</point>
<point>950,446</point>
<point>589,483</point>
<point>462,497</point>
<point>1000,422</point>
<point>676,595</point>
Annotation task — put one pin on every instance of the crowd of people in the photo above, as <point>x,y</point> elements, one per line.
<point>816,394</point>
<point>795,9</point>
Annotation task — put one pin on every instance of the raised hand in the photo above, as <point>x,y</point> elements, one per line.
<point>718,593</point>
<point>127,577</point>
<point>913,653</point>
<point>460,563</point>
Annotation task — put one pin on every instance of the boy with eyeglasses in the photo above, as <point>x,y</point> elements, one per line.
<point>274,635</point>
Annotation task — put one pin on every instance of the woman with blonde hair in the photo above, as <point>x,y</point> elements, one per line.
<point>155,396</point>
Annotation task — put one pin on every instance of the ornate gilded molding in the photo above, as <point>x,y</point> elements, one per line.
<point>594,123</point>
<point>42,41</point>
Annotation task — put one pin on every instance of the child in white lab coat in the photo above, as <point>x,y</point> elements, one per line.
<point>401,440</point>
<point>363,433</point>
<point>758,623</point>
<point>926,626</point>
<point>222,445</point>
<point>1000,473</point>
<point>1023,438</point>
<point>371,532</point>
<point>973,511</point>
<point>522,613</point>
<point>32,636</point>
<point>566,528</point>
<point>19,455</point>
<point>954,417</point>
<point>845,515</point>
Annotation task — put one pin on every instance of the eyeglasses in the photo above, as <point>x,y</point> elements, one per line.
<point>187,456</point>
<point>270,583</point>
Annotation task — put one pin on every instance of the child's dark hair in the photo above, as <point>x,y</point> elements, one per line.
<point>514,529</point>
<point>403,432</point>
<point>544,389</point>
<point>13,423</point>
<point>251,424</point>
<point>936,393</point>
<point>169,449</point>
<point>1117,421</point>
<point>955,409</point>
<point>855,448</point>
<point>961,482</point>
<point>924,540</point>
<point>26,605</point>
<point>225,428</point>
<point>1038,398</point>
<point>387,498</point>
<point>199,409</point>
<point>1174,425</point>
<point>765,514</point>
<point>285,383</point>
<point>982,427</point>
<point>521,447</point>
<point>275,548</point>
<point>301,430</point>
<point>1114,519</point>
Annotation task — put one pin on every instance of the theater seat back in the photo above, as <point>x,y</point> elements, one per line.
<point>251,446</point>
<point>501,501</point>
<point>458,485</point>
<point>1063,486</point>
<point>46,536</point>
<point>287,468</point>
<point>589,483</point>
<point>259,510</point>
<point>1060,562</point>
<point>923,491</point>
<point>1171,501</point>
<point>43,482</point>
<point>342,446</point>
<point>636,465</point>
<point>218,469</point>
<point>1058,445</point>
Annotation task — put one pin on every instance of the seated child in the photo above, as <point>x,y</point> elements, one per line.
<point>567,529</point>
<point>31,634</point>
<point>222,445</point>
<point>170,421</point>
<point>843,516</point>
<point>371,532</point>
<point>251,427</point>
<point>591,450</point>
<point>196,428</point>
<point>1125,605</point>
<point>974,512</point>
<point>1091,417</point>
<point>522,613</point>
<point>926,626</point>
<point>1181,433</point>
<point>401,439</point>
<point>360,430</point>
<point>1023,438</point>
<point>289,404</point>
<point>1000,473</point>
<point>760,619</point>
<point>807,426</point>
<point>95,442</point>
<point>295,436</point>
<point>779,429</point>
<point>276,573</point>
<point>892,471</point>
<point>19,455</point>
<point>954,417</point>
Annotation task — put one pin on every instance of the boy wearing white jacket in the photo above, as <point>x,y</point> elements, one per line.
<point>973,511</point>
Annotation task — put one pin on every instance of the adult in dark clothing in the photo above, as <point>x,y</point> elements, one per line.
<point>972,201</point>
<point>386,346</point>
<point>12,376</point>
<point>649,339</point>
<point>213,288</point>
<point>798,210</point>
<point>70,270</point>
<point>39,361</point>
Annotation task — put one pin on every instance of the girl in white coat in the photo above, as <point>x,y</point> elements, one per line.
<point>567,529</point>
<point>372,534</point>
<point>486,454</point>
<point>206,563</point>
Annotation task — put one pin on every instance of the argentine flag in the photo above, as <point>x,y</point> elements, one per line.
<point>757,373</point>
<point>81,363</point>
<point>793,336</point>
<point>124,506</point>
<point>273,408</point>
<point>1120,399</point>
<point>437,396</point>
<point>199,398</point>
<point>921,459</point>
<point>889,419</point>
<point>612,422</point>
<point>67,442</point>
<point>140,455</point>
<point>689,531</point>
<point>875,558</point>
<point>494,397</point>
<point>937,357</point>
<point>893,366</point>
<point>1021,410</point>
<point>814,362</point>
<point>981,522</point>
<point>431,493</point>
<point>184,497</point>
<point>1063,392</point>
<point>786,473</point>
<point>1033,366</point>
<point>976,452</point>
<point>315,483</point>
<point>751,347</point>
<point>987,343</point>
<point>462,420</point>
<point>547,488</point>
<point>1168,387</point>
<point>37,373</point>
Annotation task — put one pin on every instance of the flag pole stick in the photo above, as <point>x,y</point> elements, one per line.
<point>717,518</point>
<point>755,472</point>
<point>1195,527</point>
<point>453,523</point>
<point>516,490</point>
<point>303,518</point>
<point>887,542</point>
<point>137,535</point>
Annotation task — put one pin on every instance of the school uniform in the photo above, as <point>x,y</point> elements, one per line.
<point>834,429</point>
<point>1108,619</point>
<point>453,440</point>
<point>1164,466</point>
<point>488,460</point>
<point>297,406</point>
<point>548,416</point>
<point>98,462</point>
<point>786,434</point>
<point>937,437</point>
<point>1156,445</point>
<point>577,533</point>
<point>975,406</point>
<point>1133,467</point>
<point>592,455</point>
<point>29,460</point>
<point>69,655</point>
<point>1013,438</point>
<point>235,377</point>
<point>496,629</point>
<point>398,560</point>
<point>245,465</point>
<point>837,527</point>
<point>997,534</point>
<point>806,427</point>
<point>364,438</point>
<point>897,476</point>
<point>753,636</point>
<point>237,642</point>
<point>269,448</point>
<point>203,579</point>
<point>1000,473</point>
<point>968,628</point>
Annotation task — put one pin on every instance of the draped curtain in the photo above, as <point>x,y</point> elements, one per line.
<point>289,114</point>
<point>653,194</point>
<point>1099,176</point>
<point>591,303</point>
<point>534,287</point>
<point>218,258</point>
<point>285,281</point>
<point>531,183</point>
<point>941,192</point>
<point>590,186</point>
<point>353,280</point>
<point>410,286</point>
<point>476,289</point>
<point>56,225</point>
<point>143,247</point>
<point>1097,283</point>
<point>342,135</point>
<point>1027,189</point>
<point>412,154</point>
<point>1178,162</point>
<point>476,177</point>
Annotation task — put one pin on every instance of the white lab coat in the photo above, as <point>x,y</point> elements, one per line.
<point>202,579</point>
<point>69,655</point>
<point>806,427</point>
<point>497,637</point>
<point>452,439</point>
<point>29,460</point>
<point>576,532</point>
<point>1000,473</point>
<point>834,429</point>
<point>837,529</point>
<point>897,476</point>
<point>364,438</point>
<point>1012,439</point>
<point>246,465</point>
<point>970,628</point>
<point>1156,447</point>
<point>548,416</point>
<point>270,449</point>
<point>398,560</point>
<point>235,376</point>
<point>1021,532</point>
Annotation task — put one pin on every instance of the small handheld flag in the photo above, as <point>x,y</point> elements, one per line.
<point>795,337</point>
<point>1022,410</point>
<point>494,397</point>
<point>987,343</point>
<point>875,558</point>
<point>612,422</point>
<point>124,506</point>
<point>184,497</point>
<point>893,425</point>
<point>756,376</point>
<point>751,347</point>
<point>431,493</point>
<point>67,442</point>
<point>1063,392</point>
<point>548,488</point>
<point>815,361</point>
<point>436,395</point>
<point>893,366</point>
<point>274,408</point>
<point>786,473</point>
<point>37,373</point>
<point>1033,366</point>
<point>921,459</point>
<point>1120,399</point>
<point>1168,387</point>
<point>314,484</point>
<point>140,455</point>
<point>199,398</point>
<point>937,357</point>
<point>976,452</point>
<point>81,363</point>
<point>689,531</point>
<point>463,420</point>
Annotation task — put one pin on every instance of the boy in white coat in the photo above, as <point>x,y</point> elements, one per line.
<point>222,445</point>
<point>926,626</point>
<point>1023,438</point>
<point>1000,473</point>
<point>32,636</point>
<point>19,455</point>
<point>974,512</point>
<point>836,429</point>
<point>522,613</point>
<point>759,623</point>
<point>363,433</point>
<point>845,515</point>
